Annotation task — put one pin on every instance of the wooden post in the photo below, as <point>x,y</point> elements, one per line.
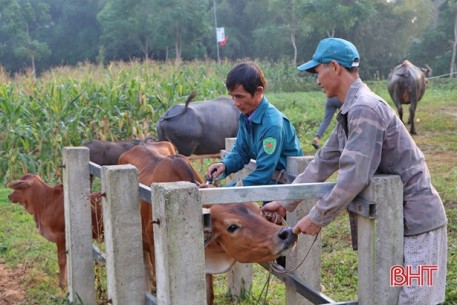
<point>124,248</point>
<point>380,241</point>
<point>310,270</point>
<point>178,242</point>
<point>78,226</point>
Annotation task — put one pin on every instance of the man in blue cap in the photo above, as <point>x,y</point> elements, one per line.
<point>370,139</point>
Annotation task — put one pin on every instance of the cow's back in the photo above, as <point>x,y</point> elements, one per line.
<point>175,168</point>
<point>106,152</point>
<point>146,156</point>
<point>201,128</point>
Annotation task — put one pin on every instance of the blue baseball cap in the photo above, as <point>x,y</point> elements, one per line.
<point>328,49</point>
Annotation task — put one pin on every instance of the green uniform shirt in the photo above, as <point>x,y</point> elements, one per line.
<point>267,137</point>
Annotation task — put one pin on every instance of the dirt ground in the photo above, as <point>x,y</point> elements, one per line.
<point>11,291</point>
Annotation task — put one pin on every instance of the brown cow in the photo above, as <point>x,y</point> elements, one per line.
<point>406,85</point>
<point>242,234</point>
<point>108,153</point>
<point>155,163</point>
<point>239,231</point>
<point>46,204</point>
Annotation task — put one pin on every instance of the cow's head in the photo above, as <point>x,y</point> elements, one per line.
<point>240,233</point>
<point>20,187</point>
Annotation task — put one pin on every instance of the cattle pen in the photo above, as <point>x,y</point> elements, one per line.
<point>180,252</point>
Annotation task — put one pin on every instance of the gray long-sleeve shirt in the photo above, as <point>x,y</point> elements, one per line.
<point>375,141</point>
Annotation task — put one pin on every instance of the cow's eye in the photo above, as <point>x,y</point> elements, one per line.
<point>232,228</point>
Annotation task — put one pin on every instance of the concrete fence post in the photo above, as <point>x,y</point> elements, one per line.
<point>380,241</point>
<point>178,242</point>
<point>122,223</point>
<point>78,226</point>
<point>239,277</point>
<point>229,143</point>
<point>310,270</point>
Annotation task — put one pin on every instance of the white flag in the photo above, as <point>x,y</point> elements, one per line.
<point>220,33</point>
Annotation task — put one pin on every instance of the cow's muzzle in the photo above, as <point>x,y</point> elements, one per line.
<point>287,236</point>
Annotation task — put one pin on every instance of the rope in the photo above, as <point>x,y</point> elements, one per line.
<point>442,75</point>
<point>278,219</point>
<point>302,261</point>
<point>264,288</point>
<point>280,175</point>
<point>274,217</point>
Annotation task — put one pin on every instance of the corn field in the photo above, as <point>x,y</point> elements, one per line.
<point>122,101</point>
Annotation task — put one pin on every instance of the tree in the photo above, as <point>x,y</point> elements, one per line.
<point>74,31</point>
<point>329,16</point>
<point>20,21</point>
<point>152,26</point>
<point>434,45</point>
<point>385,38</point>
<point>43,33</point>
<point>184,25</point>
<point>129,24</point>
<point>291,22</point>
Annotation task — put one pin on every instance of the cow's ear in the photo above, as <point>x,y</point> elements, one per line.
<point>18,184</point>
<point>216,259</point>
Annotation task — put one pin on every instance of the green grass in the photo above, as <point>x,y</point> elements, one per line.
<point>125,100</point>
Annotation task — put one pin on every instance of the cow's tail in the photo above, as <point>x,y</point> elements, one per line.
<point>189,99</point>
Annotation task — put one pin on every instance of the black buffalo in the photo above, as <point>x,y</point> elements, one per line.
<point>201,127</point>
<point>406,85</point>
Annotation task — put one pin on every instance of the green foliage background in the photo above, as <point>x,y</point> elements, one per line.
<point>122,101</point>
<point>41,34</point>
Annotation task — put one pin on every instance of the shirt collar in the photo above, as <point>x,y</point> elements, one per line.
<point>351,95</point>
<point>256,116</point>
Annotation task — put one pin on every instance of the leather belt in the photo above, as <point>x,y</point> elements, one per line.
<point>281,176</point>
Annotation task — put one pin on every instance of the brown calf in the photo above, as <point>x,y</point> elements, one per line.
<point>46,204</point>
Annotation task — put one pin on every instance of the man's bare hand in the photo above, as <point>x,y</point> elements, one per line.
<point>306,226</point>
<point>215,170</point>
<point>274,212</point>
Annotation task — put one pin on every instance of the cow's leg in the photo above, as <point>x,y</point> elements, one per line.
<point>412,111</point>
<point>150,282</point>
<point>148,246</point>
<point>152,266</point>
<point>62,261</point>
<point>209,289</point>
